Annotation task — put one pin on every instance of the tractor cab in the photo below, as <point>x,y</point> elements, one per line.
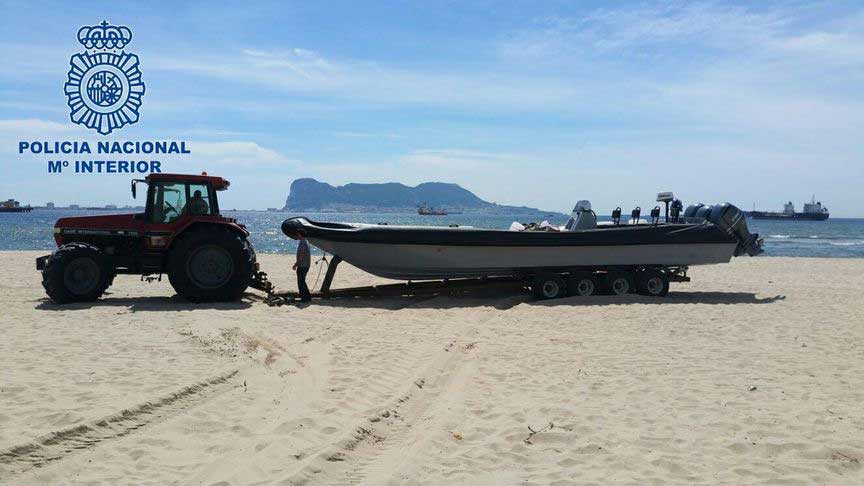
<point>171,197</point>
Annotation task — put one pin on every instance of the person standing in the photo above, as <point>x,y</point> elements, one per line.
<point>301,266</point>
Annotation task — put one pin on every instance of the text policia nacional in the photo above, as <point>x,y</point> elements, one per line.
<point>107,165</point>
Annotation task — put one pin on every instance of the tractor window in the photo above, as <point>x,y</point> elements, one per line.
<point>169,199</point>
<point>199,200</point>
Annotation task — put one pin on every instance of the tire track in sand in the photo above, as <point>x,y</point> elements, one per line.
<point>382,436</point>
<point>379,440</point>
<point>60,444</point>
<point>398,431</point>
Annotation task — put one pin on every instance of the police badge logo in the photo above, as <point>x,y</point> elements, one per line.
<point>104,86</point>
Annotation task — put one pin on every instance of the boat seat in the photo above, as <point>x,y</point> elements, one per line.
<point>582,220</point>
<point>582,217</point>
<point>586,220</point>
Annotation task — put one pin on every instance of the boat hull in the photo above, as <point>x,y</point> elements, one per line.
<point>421,262</point>
<point>425,252</point>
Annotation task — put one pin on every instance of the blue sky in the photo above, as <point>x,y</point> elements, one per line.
<point>528,103</point>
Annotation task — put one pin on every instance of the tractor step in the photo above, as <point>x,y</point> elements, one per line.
<point>41,261</point>
<point>151,263</point>
<point>261,282</point>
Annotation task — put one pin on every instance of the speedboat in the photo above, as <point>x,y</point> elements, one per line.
<point>702,235</point>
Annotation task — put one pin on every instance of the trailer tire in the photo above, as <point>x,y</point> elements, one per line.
<point>76,272</point>
<point>548,286</point>
<point>211,264</point>
<point>618,282</point>
<point>653,283</point>
<point>582,284</point>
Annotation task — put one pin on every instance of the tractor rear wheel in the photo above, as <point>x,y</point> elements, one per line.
<point>211,264</point>
<point>76,272</point>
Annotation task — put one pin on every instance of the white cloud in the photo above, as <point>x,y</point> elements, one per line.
<point>309,73</point>
<point>371,135</point>
<point>458,159</point>
<point>828,47</point>
<point>34,127</point>
<point>238,153</point>
<point>634,29</point>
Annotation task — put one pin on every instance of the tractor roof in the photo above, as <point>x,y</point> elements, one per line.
<point>218,183</point>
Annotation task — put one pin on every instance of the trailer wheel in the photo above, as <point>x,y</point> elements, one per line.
<point>653,282</point>
<point>211,264</point>
<point>581,284</point>
<point>618,282</point>
<point>548,287</point>
<point>76,272</point>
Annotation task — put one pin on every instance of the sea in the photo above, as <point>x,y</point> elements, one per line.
<point>834,238</point>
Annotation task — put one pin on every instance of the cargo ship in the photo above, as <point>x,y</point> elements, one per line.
<point>813,211</point>
<point>13,206</point>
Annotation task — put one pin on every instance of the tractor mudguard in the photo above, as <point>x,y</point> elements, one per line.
<point>195,225</point>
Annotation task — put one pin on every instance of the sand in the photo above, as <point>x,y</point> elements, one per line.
<point>751,374</point>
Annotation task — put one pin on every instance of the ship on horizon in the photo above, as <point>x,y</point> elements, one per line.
<point>813,211</point>
<point>13,206</point>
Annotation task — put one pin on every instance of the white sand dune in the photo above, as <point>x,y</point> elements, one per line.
<point>751,374</point>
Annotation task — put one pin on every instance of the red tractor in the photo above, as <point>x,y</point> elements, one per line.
<point>207,257</point>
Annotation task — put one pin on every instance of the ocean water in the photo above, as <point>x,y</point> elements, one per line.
<point>834,238</point>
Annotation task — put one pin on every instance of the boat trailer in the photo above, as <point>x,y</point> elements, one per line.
<point>456,286</point>
<point>407,289</point>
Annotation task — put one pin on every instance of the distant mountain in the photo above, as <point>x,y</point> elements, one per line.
<point>310,195</point>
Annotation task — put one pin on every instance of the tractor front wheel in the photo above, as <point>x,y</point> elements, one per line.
<point>76,272</point>
<point>211,264</point>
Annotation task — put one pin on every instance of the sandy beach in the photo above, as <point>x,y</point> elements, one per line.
<point>751,374</point>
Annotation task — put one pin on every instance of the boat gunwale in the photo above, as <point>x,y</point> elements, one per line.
<point>624,235</point>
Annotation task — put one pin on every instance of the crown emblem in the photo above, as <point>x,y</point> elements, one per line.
<point>104,36</point>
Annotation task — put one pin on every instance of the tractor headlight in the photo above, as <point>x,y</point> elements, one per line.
<point>158,241</point>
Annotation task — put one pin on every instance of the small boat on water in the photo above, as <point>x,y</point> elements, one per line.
<point>426,210</point>
<point>708,235</point>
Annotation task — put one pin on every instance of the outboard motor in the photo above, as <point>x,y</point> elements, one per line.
<point>703,213</point>
<point>731,220</point>
<point>691,210</point>
<point>634,215</point>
